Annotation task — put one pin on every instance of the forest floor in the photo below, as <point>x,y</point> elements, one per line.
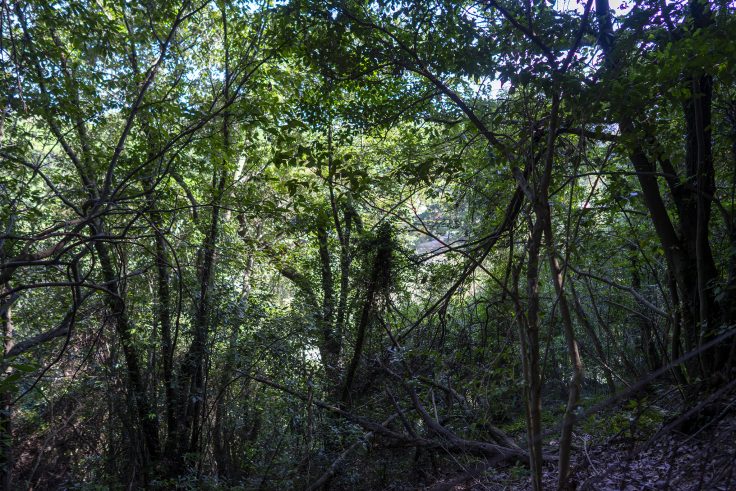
<point>668,455</point>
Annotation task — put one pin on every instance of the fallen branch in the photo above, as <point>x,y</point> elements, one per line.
<point>332,469</point>
<point>449,443</point>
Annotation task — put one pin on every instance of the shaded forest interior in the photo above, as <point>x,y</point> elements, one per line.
<point>347,244</point>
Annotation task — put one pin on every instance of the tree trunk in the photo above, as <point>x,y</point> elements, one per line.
<point>192,376</point>
<point>378,284</point>
<point>221,451</point>
<point>529,340</point>
<point>597,345</point>
<point>330,345</point>
<point>6,399</point>
<point>147,418</point>
<point>689,256</point>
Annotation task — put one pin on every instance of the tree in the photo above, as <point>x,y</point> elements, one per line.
<point>247,244</point>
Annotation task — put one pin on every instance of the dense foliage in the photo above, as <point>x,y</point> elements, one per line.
<point>360,245</point>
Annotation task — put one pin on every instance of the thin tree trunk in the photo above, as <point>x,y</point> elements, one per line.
<point>6,398</point>
<point>193,376</point>
<point>575,362</point>
<point>329,344</point>
<point>377,284</point>
<point>588,326</point>
<point>221,453</point>
<point>345,262</point>
<point>147,418</point>
<point>531,358</point>
<point>647,327</point>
